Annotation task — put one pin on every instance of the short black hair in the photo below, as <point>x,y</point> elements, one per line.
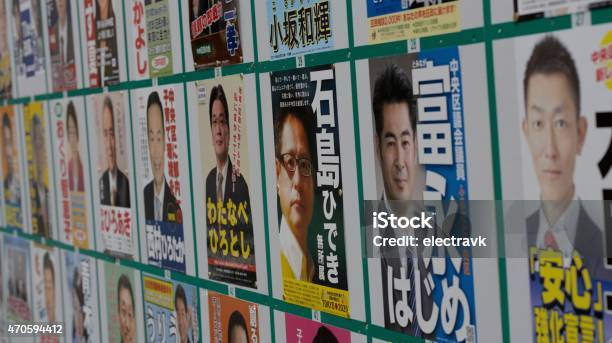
<point>108,103</point>
<point>306,117</point>
<point>48,264</point>
<point>180,294</point>
<point>152,101</point>
<point>236,319</point>
<point>324,335</point>
<point>71,113</point>
<point>550,56</point>
<point>217,93</point>
<point>124,282</point>
<point>393,87</point>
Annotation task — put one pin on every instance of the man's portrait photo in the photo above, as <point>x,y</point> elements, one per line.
<point>160,204</point>
<point>183,314</point>
<point>555,129</point>
<point>12,180</point>
<point>76,182</point>
<point>295,185</point>
<point>39,191</point>
<point>114,184</point>
<point>49,289</point>
<point>126,310</point>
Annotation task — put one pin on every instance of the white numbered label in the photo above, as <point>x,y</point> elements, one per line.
<point>300,61</point>
<point>316,316</point>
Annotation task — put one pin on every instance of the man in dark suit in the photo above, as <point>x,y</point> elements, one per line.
<point>40,192</point>
<point>160,203</point>
<point>114,185</point>
<point>555,132</point>
<point>224,183</point>
<point>395,117</point>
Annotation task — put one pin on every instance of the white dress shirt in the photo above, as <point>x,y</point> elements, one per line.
<point>563,230</point>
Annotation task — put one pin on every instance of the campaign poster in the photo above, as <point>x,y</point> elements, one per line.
<point>81,322</point>
<point>116,222</point>
<point>72,185</point>
<point>35,125</point>
<point>152,50</point>
<point>102,41</point>
<point>162,182</point>
<point>215,32</point>
<point>171,310</point>
<point>419,149</point>
<point>232,320</point>
<point>11,170</point>
<point>299,27</point>
<point>6,72</point>
<point>28,49</point>
<point>225,162</point>
<point>299,329</point>
<point>18,273</point>
<point>526,9</point>
<point>46,282</point>
<point>3,288</point>
<point>123,304</point>
<point>63,37</point>
<point>393,20</point>
<point>562,123</point>
<point>309,189</point>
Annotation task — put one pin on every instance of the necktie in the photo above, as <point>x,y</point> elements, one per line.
<point>550,241</point>
<point>113,195</point>
<point>219,187</point>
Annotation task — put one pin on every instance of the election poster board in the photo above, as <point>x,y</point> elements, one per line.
<point>393,20</point>
<point>154,38</point>
<point>215,31</point>
<point>555,109</point>
<point>120,303</point>
<point>102,42</point>
<point>70,151</point>
<point>18,274</point>
<point>225,159</point>
<point>416,146</point>
<point>297,28</point>
<point>62,40</point>
<point>309,222</point>
<point>80,284</point>
<point>171,310</point>
<point>113,176</point>
<point>299,329</point>
<point>232,319</point>
<point>37,151</point>
<point>47,293</point>
<point>527,9</point>
<point>159,120</point>
<point>6,69</point>
<point>11,168</point>
<point>231,229</point>
<point>28,49</point>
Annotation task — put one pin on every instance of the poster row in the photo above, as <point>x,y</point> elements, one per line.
<point>175,174</point>
<point>96,301</point>
<point>49,46</point>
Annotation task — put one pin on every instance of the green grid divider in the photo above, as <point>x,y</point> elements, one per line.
<point>486,34</point>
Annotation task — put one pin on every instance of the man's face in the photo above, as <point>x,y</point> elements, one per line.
<point>49,294</point>
<point>157,142</point>
<point>127,326</point>
<point>239,335</point>
<point>295,191</point>
<point>554,133</point>
<point>73,138</point>
<point>8,147</point>
<point>79,317</point>
<point>108,130</point>
<point>182,317</point>
<point>220,130</point>
<point>397,151</point>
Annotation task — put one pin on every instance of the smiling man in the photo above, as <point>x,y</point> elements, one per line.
<point>555,132</point>
<point>160,203</point>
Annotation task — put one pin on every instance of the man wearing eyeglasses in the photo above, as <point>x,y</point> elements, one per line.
<point>224,183</point>
<point>294,145</point>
